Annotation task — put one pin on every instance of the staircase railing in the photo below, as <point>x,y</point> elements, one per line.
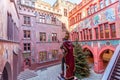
<point>111,65</point>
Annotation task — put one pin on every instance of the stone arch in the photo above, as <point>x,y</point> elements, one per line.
<point>89,48</point>
<point>90,57</point>
<point>7,73</point>
<point>106,48</point>
<point>102,54</point>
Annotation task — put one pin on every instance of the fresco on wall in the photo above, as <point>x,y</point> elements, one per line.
<point>86,24</point>
<point>102,17</point>
<point>96,19</point>
<point>110,14</point>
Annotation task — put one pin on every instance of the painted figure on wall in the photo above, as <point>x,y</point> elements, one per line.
<point>96,20</point>
<point>110,14</point>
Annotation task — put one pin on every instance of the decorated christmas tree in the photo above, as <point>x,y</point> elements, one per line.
<point>82,67</point>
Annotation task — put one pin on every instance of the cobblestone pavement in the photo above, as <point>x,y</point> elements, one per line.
<point>51,73</point>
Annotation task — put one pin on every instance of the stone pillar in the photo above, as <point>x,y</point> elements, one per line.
<point>96,59</point>
<point>98,62</point>
<point>100,66</point>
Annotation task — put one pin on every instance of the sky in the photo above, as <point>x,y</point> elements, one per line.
<point>53,1</point>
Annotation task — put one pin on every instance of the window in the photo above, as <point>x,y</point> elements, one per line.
<point>92,9</point>
<point>65,12</point>
<point>90,32</point>
<point>95,8</point>
<point>26,33</point>
<point>63,27</point>
<point>53,20</point>
<point>10,27</point>
<point>54,54</point>
<point>81,35</point>
<point>26,20</point>
<point>107,31</point>
<point>79,16</point>
<point>101,4</point>
<point>76,18</point>
<point>96,33</point>
<point>27,46</point>
<point>77,37</point>
<point>54,36</point>
<point>42,18</point>
<point>43,56</point>
<point>101,31</point>
<point>86,34</point>
<point>42,36</point>
<point>113,30</point>
<point>112,1</point>
<point>27,2</point>
<point>32,4</point>
<point>106,2</point>
<point>88,11</point>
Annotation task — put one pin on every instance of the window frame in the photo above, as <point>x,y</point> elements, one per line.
<point>113,31</point>
<point>42,36</point>
<point>27,34</point>
<point>96,33</point>
<point>27,20</point>
<point>54,37</point>
<point>27,46</point>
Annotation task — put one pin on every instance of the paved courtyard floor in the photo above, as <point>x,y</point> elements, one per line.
<point>93,76</point>
<point>51,73</point>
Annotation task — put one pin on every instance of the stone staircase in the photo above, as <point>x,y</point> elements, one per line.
<point>115,75</point>
<point>112,71</point>
<point>26,74</point>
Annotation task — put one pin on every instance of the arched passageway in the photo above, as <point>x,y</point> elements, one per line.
<point>6,74</point>
<point>106,56</point>
<point>90,57</point>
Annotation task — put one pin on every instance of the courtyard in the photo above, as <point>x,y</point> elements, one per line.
<point>52,73</point>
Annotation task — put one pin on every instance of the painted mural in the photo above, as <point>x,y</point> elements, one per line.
<point>96,20</point>
<point>108,15</point>
<point>86,23</point>
<point>102,17</point>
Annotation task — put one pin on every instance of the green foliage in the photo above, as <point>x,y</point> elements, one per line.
<point>82,67</point>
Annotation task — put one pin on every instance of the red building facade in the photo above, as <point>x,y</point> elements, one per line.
<point>95,23</point>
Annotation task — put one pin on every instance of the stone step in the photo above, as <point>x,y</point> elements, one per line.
<point>117,70</point>
<point>26,75</point>
<point>113,77</point>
